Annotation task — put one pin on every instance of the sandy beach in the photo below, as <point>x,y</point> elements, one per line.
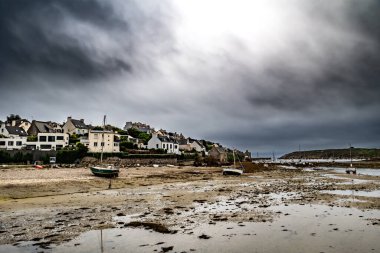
<point>50,207</point>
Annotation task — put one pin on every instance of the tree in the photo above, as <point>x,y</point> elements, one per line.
<point>32,138</point>
<point>145,137</point>
<point>12,117</point>
<point>81,149</point>
<point>134,132</point>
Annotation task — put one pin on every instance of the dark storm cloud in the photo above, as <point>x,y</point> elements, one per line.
<point>62,37</point>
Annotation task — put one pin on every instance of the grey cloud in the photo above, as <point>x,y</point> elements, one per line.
<point>78,39</point>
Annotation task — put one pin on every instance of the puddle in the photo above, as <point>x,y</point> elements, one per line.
<point>359,171</point>
<point>375,194</point>
<point>348,180</point>
<point>310,228</point>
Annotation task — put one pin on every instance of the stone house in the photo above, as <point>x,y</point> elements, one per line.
<point>74,126</point>
<point>219,154</point>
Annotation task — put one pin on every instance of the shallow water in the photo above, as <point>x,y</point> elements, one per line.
<point>375,194</point>
<point>309,228</point>
<point>360,171</point>
<point>349,180</point>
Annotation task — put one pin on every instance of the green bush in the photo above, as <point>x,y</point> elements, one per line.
<point>72,156</point>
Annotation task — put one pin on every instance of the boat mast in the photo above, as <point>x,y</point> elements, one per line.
<point>102,143</point>
<point>233,153</point>
<point>101,241</point>
<point>350,156</point>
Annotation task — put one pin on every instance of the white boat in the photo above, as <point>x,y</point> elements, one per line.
<point>104,170</point>
<point>233,170</point>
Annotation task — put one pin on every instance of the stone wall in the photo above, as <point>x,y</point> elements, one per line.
<point>131,161</point>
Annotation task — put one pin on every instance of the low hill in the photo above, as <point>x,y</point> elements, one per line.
<point>357,153</point>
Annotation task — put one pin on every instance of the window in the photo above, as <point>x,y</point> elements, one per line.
<point>157,146</point>
<point>18,143</point>
<point>102,144</point>
<point>59,138</point>
<point>51,138</point>
<point>2,143</point>
<point>10,143</point>
<point>164,145</point>
<point>175,146</point>
<point>116,144</point>
<point>45,147</point>
<point>58,147</point>
<point>42,138</point>
<point>95,144</point>
<point>171,146</point>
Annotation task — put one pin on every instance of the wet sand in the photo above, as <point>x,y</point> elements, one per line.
<point>53,206</point>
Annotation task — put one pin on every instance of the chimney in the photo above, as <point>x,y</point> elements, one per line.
<point>68,118</point>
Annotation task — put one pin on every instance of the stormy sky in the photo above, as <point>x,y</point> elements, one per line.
<point>264,75</point>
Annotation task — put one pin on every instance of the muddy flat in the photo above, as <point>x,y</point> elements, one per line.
<point>185,209</point>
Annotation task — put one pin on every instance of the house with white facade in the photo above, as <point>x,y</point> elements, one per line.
<point>191,144</point>
<point>49,141</point>
<point>106,141</point>
<point>12,137</point>
<point>11,131</point>
<point>163,142</point>
<point>12,143</point>
<point>74,126</point>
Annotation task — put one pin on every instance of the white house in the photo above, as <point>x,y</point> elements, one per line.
<point>74,126</point>
<point>190,144</point>
<point>11,131</point>
<point>99,140</point>
<point>13,137</point>
<point>163,142</point>
<point>12,143</point>
<point>49,141</point>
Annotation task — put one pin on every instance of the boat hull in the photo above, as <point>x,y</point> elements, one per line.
<point>104,172</point>
<point>232,171</point>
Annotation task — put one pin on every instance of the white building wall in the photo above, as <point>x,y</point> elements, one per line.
<point>95,141</point>
<point>13,143</point>
<point>50,141</point>
<point>196,146</point>
<point>154,143</point>
<point>170,147</point>
<point>3,130</point>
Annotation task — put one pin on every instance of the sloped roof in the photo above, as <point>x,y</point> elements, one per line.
<point>220,149</point>
<point>16,130</point>
<point>43,127</point>
<point>199,143</point>
<point>167,139</point>
<point>182,142</point>
<point>79,124</point>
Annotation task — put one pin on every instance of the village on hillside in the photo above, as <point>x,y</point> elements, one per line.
<point>19,134</point>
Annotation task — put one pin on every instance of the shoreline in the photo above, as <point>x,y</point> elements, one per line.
<point>63,203</point>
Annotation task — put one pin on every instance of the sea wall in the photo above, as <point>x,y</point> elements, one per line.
<point>131,161</point>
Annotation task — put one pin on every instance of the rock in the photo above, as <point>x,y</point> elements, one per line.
<point>166,249</point>
<point>204,236</point>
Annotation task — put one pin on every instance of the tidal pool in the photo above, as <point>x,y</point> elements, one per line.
<point>375,194</point>
<point>359,171</point>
